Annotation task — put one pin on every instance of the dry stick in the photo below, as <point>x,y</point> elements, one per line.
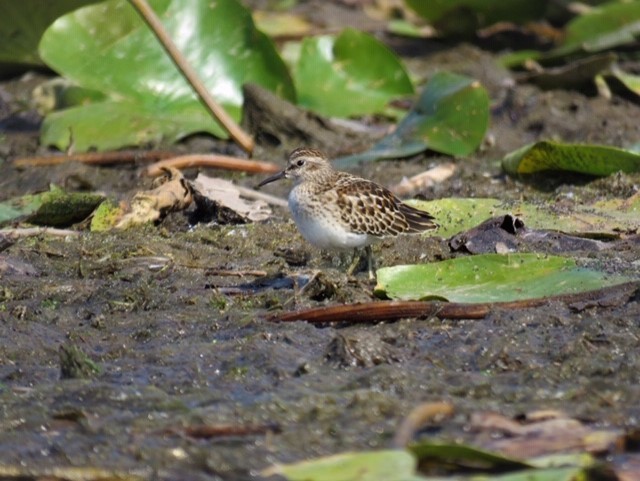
<point>97,158</point>
<point>212,160</point>
<point>34,231</point>
<point>225,273</point>
<point>207,431</point>
<point>236,133</point>
<point>368,312</point>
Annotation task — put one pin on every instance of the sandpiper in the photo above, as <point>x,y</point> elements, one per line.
<point>339,211</point>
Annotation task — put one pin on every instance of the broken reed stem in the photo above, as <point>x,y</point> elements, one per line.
<point>222,117</point>
<point>208,431</point>
<point>228,273</point>
<point>96,158</point>
<point>370,312</point>
<point>212,160</point>
<point>34,231</point>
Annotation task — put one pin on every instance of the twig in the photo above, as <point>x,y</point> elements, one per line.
<point>207,431</point>
<point>33,231</point>
<point>236,133</point>
<point>98,158</point>
<point>227,273</point>
<point>368,312</point>
<point>212,160</point>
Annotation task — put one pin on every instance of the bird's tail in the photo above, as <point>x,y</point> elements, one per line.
<point>418,220</point>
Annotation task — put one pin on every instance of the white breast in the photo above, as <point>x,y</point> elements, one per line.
<point>321,224</point>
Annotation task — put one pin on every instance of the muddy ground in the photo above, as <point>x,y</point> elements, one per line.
<point>178,345</point>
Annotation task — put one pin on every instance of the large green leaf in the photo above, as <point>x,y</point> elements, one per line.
<point>111,124</point>
<point>603,27</point>
<point>630,82</point>
<point>549,474</point>
<point>491,278</point>
<point>391,465</point>
<point>22,24</point>
<point>463,17</point>
<point>585,159</point>
<point>353,74</point>
<point>148,97</point>
<point>464,456</point>
<point>606,217</point>
<point>399,465</point>
<point>451,116</point>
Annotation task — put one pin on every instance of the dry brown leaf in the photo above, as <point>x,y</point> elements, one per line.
<point>553,435</point>
<point>226,194</point>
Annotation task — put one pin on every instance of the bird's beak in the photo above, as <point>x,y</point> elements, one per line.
<point>273,178</point>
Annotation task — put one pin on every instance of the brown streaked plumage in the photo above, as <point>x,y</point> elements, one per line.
<point>337,210</point>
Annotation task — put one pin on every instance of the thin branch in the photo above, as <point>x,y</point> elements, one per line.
<point>225,273</point>
<point>97,158</point>
<point>370,312</point>
<point>223,118</point>
<point>212,160</point>
<point>208,431</point>
<point>34,231</point>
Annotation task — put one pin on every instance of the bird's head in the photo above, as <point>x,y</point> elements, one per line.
<point>304,164</point>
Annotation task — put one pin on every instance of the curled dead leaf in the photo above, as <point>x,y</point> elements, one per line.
<point>548,435</point>
<point>222,195</point>
<point>171,192</point>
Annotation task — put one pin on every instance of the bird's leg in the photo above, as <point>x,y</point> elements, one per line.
<point>372,276</point>
<point>355,262</point>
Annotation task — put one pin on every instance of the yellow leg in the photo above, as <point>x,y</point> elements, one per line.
<point>372,276</point>
<point>355,262</point>
<point>357,257</point>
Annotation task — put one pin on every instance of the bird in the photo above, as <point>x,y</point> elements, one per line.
<point>336,210</point>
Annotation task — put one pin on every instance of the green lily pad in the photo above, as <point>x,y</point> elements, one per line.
<point>601,28</point>
<point>148,98</point>
<point>391,465</point>
<point>518,58</point>
<point>550,474</point>
<point>59,93</point>
<point>598,160</point>
<point>491,278</point>
<point>629,81</point>
<point>113,124</point>
<point>607,217</point>
<point>353,74</point>
<point>451,117</point>
<point>55,208</point>
<point>576,74</point>
<point>21,26</point>
<point>462,455</point>
<point>464,17</point>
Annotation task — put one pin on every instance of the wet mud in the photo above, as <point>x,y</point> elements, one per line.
<point>113,344</point>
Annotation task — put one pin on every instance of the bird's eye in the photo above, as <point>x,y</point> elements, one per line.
<point>300,163</point>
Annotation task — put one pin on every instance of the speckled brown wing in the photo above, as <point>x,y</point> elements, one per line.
<point>369,208</point>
